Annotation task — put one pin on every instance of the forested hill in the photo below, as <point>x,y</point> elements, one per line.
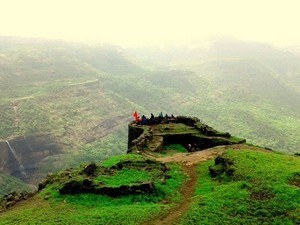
<point>83,95</point>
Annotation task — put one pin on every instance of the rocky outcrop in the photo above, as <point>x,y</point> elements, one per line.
<point>223,165</point>
<point>198,136</point>
<point>87,186</point>
<point>92,178</point>
<point>13,198</point>
<point>20,156</point>
<point>134,133</point>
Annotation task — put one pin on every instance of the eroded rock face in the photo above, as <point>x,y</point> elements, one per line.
<point>90,169</point>
<point>20,156</point>
<point>87,186</point>
<point>134,133</point>
<point>13,198</point>
<point>198,135</point>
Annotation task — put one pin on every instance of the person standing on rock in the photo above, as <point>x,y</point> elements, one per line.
<point>152,116</point>
<point>144,120</point>
<point>136,117</point>
<point>160,116</point>
<point>152,119</point>
<point>167,118</point>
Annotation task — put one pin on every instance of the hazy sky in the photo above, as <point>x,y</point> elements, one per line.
<point>139,22</point>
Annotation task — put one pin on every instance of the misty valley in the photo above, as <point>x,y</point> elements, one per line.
<point>63,104</point>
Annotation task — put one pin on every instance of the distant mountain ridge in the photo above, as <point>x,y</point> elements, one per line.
<point>83,95</point>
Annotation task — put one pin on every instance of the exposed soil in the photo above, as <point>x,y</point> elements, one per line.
<point>187,194</point>
<point>193,158</point>
<point>189,162</point>
<point>190,159</point>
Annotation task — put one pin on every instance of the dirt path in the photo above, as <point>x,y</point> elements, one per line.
<point>191,158</point>
<point>189,162</point>
<point>187,194</point>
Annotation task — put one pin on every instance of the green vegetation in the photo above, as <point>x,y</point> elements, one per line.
<point>83,96</point>
<point>101,209</point>
<point>109,177</point>
<point>261,191</point>
<point>77,94</point>
<point>261,188</point>
<point>10,184</point>
<point>176,148</point>
<point>117,159</point>
<point>177,128</point>
<point>124,177</point>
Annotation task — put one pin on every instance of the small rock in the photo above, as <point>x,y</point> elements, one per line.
<point>16,198</point>
<point>46,197</point>
<point>90,169</point>
<point>163,181</point>
<point>9,204</point>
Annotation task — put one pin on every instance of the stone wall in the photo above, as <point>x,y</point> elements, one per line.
<point>142,138</point>
<point>138,137</point>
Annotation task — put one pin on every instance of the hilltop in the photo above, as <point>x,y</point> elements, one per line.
<point>177,170</point>
<point>158,132</point>
<point>75,99</point>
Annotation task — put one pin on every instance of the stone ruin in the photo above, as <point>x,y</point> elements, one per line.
<point>73,181</point>
<point>152,136</point>
<point>157,133</point>
<point>9,200</point>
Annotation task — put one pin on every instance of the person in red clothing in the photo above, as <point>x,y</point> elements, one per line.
<point>136,117</point>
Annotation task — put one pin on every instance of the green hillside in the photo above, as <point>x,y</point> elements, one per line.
<point>264,189</point>
<point>10,184</point>
<point>84,95</point>
<point>102,209</point>
<point>255,186</point>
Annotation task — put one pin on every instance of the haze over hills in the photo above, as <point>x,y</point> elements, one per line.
<point>83,96</point>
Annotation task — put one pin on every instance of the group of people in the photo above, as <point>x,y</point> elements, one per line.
<point>152,120</point>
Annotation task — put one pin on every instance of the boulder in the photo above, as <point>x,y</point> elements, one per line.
<point>216,170</point>
<point>11,199</point>
<point>90,169</point>
<point>222,165</point>
<point>43,184</point>
<point>72,187</point>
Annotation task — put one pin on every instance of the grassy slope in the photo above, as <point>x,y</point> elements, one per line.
<point>260,192</point>
<point>9,184</point>
<point>72,93</point>
<point>97,209</point>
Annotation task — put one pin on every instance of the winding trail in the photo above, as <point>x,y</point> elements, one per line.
<point>189,163</point>
<point>187,194</point>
